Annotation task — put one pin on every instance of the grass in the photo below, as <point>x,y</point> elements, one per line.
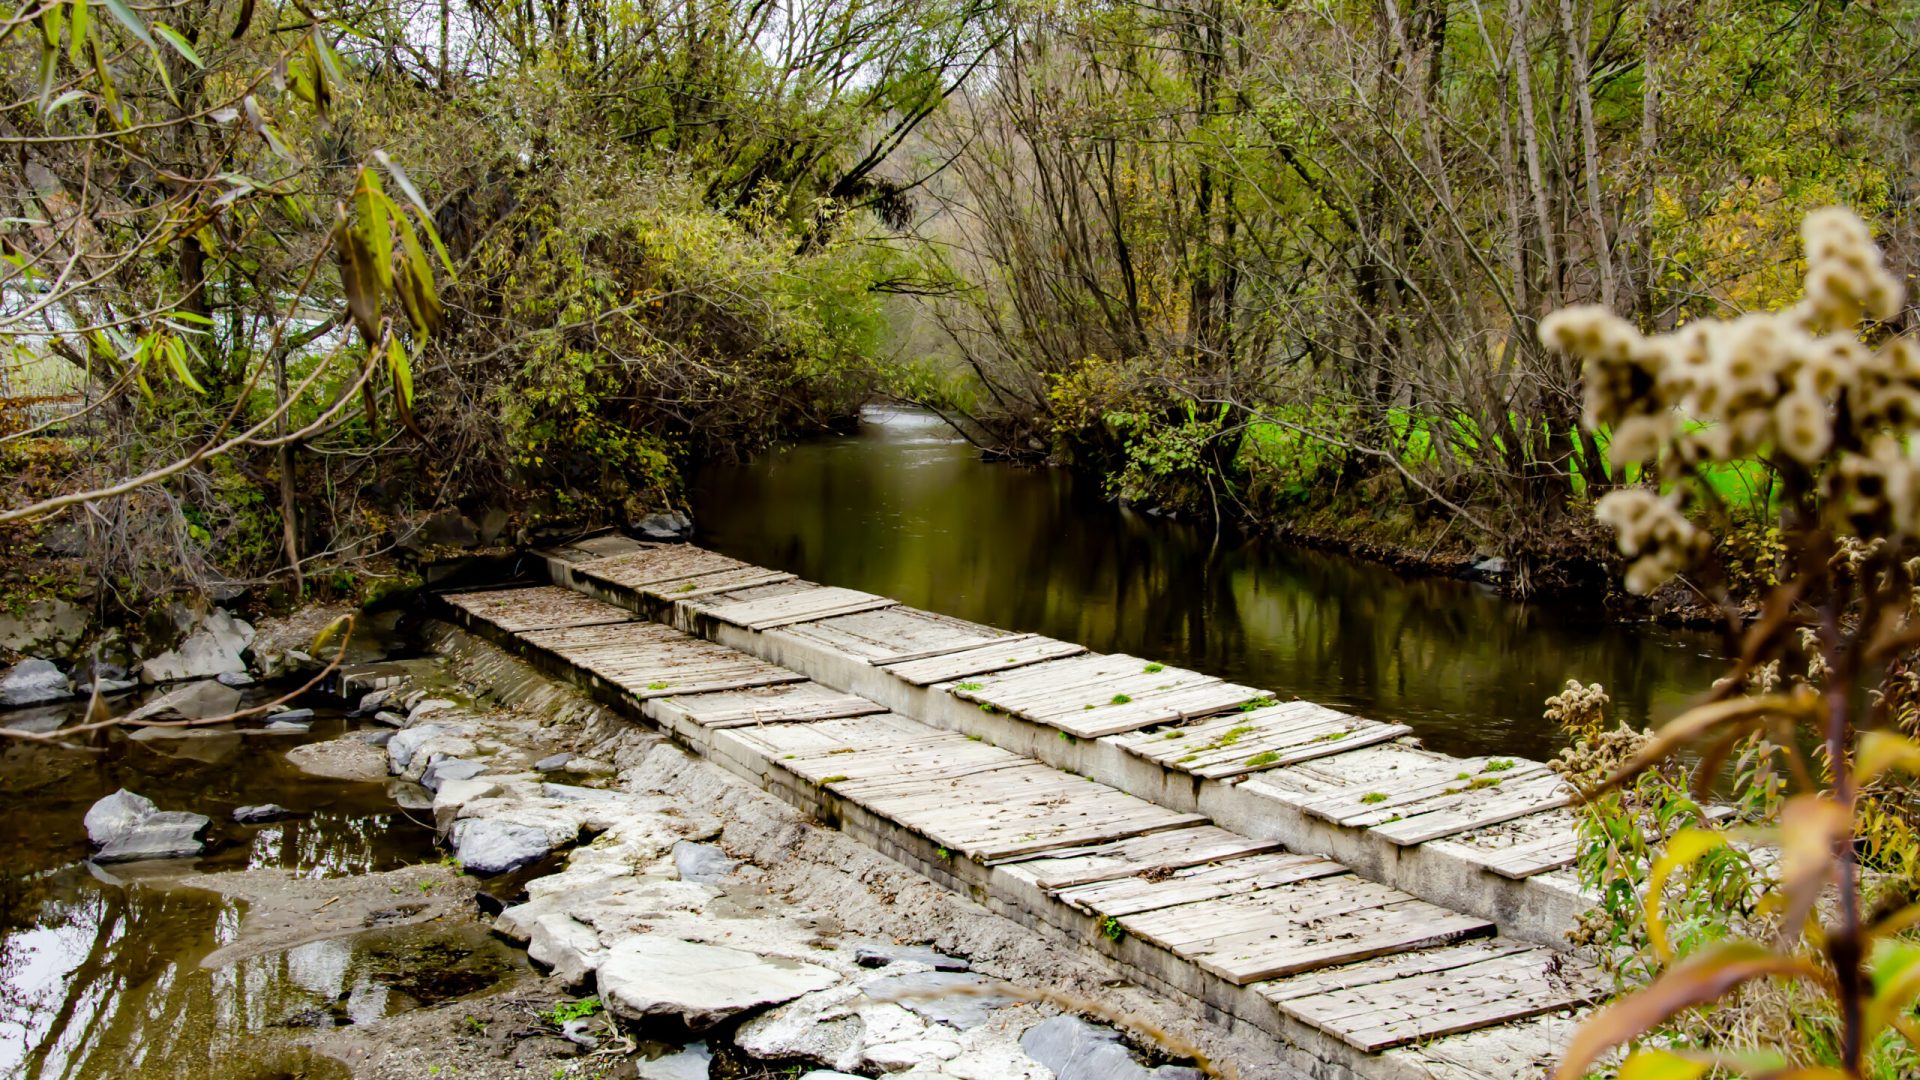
<point>571,1010</point>
<point>1120,699</point>
<point>1372,797</point>
<point>1266,758</point>
<point>836,778</point>
<point>1154,669</point>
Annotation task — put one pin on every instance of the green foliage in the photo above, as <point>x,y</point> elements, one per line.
<point>564,1011</point>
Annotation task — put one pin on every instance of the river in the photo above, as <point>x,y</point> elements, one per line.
<point>906,508</point>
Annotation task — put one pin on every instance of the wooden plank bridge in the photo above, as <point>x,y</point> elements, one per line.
<point>1307,874</point>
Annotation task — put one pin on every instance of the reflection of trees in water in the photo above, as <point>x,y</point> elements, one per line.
<point>1030,550</point>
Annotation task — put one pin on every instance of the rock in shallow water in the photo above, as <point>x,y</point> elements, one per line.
<point>264,812</point>
<point>31,682</point>
<point>212,650</point>
<point>878,954</point>
<point>701,985</point>
<point>128,827</point>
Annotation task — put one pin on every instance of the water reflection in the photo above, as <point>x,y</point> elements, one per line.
<point>907,509</point>
<point>100,970</point>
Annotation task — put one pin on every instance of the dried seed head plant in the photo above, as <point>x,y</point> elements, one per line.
<point>1828,396</point>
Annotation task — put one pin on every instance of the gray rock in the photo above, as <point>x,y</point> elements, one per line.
<point>442,770</point>
<point>692,1063</point>
<point>32,682</point>
<point>127,827</point>
<point>264,812</point>
<point>553,763</point>
<point>829,1074</point>
<point>214,649</point>
<point>116,815</point>
<point>373,737</point>
<point>419,710</point>
<point>292,715</point>
<point>653,975</point>
<point>374,700</point>
<point>954,998</point>
<point>400,748</point>
<point>288,727</point>
<point>44,628</point>
<point>233,678</point>
<point>588,767</point>
<point>196,701</point>
<point>669,527</point>
<point>880,954</point>
<point>167,834</point>
<point>389,718</point>
<point>106,687</point>
<point>1077,1050</point>
<point>487,846</point>
<point>702,863</point>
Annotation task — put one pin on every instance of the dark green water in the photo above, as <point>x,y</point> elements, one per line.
<point>906,509</point>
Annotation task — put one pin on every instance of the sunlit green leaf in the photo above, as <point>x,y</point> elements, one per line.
<point>126,17</point>
<point>179,42</point>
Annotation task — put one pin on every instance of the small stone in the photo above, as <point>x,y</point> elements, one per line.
<point>569,948</point>
<point>588,767</point>
<point>389,718</point>
<point>291,714</point>
<point>575,1031</point>
<point>288,727</point>
<point>553,763</point>
<point>652,975</point>
<point>1077,1050</point>
<point>702,863</point>
<point>904,1055</point>
<point>374,700</point>
<point>31,682</point>
<point>375,737</point>
<point>233,678</point>
<point>105,686</point>
<point>264,812</point>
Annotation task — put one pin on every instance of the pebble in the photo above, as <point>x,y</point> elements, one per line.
<point>255,815</point>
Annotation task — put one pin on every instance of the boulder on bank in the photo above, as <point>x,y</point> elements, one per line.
<point>653,975</point>
<point>488,846</point>
<point>671,527</point>
<point>128,827</point>
<point>213,649</point>
<point>195,701</point>
<point>32,682</point>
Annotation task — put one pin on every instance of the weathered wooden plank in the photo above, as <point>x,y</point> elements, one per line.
<point>819,602</point>
<point>1119,717</point>
<point>542,607</point>
<point>1169,888</point>
<point>1445,815</point>
<point>1388,968</point>
<point>1410,1005</point>
<point>715,583</point>
<point>994,656</point>
<point>1234,744</point>
<point>1299,927</point>
<point>899,633</point>
<point>1368,768</point>
<point>800,702</point>
<point>1525,1048</point>
<point>649,661</point>
<point>609,544</point>
<point>656,565</point>
<point>1157,853</point>
<point>1024,686</point>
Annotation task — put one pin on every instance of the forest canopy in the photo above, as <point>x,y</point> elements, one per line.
<point>284,281</point>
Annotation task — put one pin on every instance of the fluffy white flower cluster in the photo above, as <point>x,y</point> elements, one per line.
<point>1796,383</point>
